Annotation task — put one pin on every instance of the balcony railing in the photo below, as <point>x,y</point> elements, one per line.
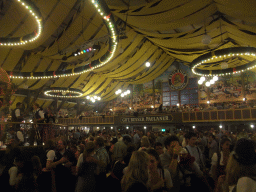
<point>88,120</point>
<point>247,114</point>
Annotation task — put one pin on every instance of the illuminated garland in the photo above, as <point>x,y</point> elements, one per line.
<point>109,20</point>
<point>16,41</point>
<point>224,54</point>
<point>63,93</point>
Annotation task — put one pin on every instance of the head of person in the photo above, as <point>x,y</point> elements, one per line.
<point>159,148</point>
<point>191,139</point>
<point>18,105</point>
<point>154,161</point>
<point>211,137</point>
<point>137,170</point>
<point>61,145</point>
<point>171,141</point>
<point>145,142</point>
<point>225,144</point>
<point>242,162</point>
<point>89,150</point>
<point>99,142</point>
<point>127,140</point>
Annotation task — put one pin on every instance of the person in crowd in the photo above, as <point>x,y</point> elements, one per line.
<point>27,182</point>
<point>36,132</point>
<point>136,139</point>
<point>241,169</point>
<point>220,159</point>
<point>120,148</point>
<point>159,178</point>
<point>14,176</point>
<point>101,154</point>
<point>169,160</point>
<point>194,150</point>
<point>17,118</point>
<point>145,144</point>
<point>87,169</point>
<point>51,163</point>
<point>212,145</point>
<point>63,173</point>
<point>159,148</point>
<point>202,142</point>
<point>136,177</point>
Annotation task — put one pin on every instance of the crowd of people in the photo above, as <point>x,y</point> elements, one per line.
<point>136,161</point>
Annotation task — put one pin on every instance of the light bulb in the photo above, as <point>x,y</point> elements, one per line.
<point>202,79</point>
<point>212,81</point>
<point>215,78</point>
<point>147,64</point>
<point>207,84</point>
<point>200,82</point>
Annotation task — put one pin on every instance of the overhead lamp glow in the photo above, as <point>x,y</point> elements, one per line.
<point>220,126</point>
<point>147,64</point>
<point>145,127</point>
<point>202,79</point>
<point>200,82</point>
<point>193,126</point>
<point>207,84</point>
<point>212,81</point>
<point>215,78</point>
<point>208,102</point>
<point>252,126</point>
<point>152,106</point>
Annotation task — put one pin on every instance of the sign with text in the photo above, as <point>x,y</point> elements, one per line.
<point>147,119</point>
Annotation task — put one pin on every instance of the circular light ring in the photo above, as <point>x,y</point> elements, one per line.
<point>109,21</point>
<point>58,92</point>
<point>17,41</point>
<point>222,54</point>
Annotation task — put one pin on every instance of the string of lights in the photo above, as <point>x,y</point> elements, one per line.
<point>17,41</point>
<point>104,11</point>
<point>63,93</point>
<point>224,54</point>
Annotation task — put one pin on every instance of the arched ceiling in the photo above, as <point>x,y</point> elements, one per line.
<point>158,31</point>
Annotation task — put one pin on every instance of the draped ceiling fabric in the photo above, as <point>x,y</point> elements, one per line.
<point>158,31</point>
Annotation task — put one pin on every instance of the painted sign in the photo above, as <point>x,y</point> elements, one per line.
<point>147,119</point>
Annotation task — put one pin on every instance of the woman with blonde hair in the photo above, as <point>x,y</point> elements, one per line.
<point>136,177</point>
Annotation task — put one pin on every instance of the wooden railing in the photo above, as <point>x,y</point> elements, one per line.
<point>247,114</point>
<point>88,120</point>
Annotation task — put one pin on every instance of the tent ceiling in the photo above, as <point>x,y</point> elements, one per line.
<point>159,31</point>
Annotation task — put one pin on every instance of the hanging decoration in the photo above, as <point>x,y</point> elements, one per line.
<point>211,59</point>
<point>104,11</point>
<point>17,41</point>
<point>63,92</point>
